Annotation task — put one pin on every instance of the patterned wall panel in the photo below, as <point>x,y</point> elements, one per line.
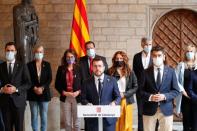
<point>174,31</point>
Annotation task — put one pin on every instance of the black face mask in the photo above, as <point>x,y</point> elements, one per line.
<point>119,63</point>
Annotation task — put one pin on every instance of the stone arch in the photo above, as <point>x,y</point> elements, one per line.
<point>174,30</point>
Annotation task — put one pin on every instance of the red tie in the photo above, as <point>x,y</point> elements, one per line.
<point>90,65</point>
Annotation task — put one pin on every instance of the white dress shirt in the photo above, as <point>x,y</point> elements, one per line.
<point>155,76</point>
<point>12,65</point>
<point>145,60</point>
<point>122,84</point>
<point>97,81</point>
<point>156,72</point>
<point>89,61</point>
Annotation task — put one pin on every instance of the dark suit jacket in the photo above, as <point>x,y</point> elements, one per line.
<point>20,79</point>
<point>109,93</point>
<point>45,80</point>
<point>169,87</point>
<point>138,66</point>
<point>84,65</point>
<point>131,87</point>
<point>61,85</point>
<point>1,117</point>
<point>192,89</point>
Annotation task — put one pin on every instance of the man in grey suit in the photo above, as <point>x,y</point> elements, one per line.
<point>158,89</point>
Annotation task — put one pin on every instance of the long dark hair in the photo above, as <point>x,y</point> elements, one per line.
<point>126,68</point>
<point>63,60</point>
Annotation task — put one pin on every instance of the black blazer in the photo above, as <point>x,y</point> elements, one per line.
<point>138,66</point>
<point>61,85</point>
<point>84,65</point>
<point>169,87</point>
<point>45,80</point>
<point>20,79</point>
<point>192,88</point>
<point>131,87</point>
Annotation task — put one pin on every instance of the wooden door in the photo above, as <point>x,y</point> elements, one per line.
<point>174,31</point>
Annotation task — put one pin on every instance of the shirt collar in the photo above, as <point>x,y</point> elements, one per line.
<point>161,67</point>
<point>11,62</point>
<point>101,77</point>
<point>144,54</point>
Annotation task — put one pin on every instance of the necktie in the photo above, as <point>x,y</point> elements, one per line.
<point>10,70</point>
<point>90,65</point>
<point>99,86</point>
<point>158,77</point>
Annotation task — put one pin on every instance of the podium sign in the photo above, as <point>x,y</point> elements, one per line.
<point>98,111</point>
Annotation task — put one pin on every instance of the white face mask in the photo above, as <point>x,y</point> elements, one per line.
<point>39,56</point>
<point>91,53</point>
<point>158,61</point>
<point>10,55</point>
<point>147,49</point>
<point>190,55</point>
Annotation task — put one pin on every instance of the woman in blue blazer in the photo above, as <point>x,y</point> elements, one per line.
<point>183,102</point>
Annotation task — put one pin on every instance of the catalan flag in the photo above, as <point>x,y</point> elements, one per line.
<point>80,30</point>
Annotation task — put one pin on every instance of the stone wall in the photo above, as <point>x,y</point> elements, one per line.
<point>114,25</point>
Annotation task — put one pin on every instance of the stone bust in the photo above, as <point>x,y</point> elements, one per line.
<point>25,22</point>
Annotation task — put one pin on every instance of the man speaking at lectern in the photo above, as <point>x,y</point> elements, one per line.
<point>100,89</point>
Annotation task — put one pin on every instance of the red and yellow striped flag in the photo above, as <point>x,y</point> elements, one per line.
<point>80,30</point>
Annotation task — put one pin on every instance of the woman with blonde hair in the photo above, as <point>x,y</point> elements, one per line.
<point>127,83</point>
<point>183,71</point>
<point>39,93</point>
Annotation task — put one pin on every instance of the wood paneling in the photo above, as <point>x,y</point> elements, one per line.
<point>174,31</point>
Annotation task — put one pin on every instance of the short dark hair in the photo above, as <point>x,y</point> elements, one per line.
<point>143,40</point>
<point>89,42</point>
<point>158,48</point>
<point>97,58</point>
<point>10,44</point>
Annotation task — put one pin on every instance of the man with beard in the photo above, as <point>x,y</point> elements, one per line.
<point>100,89</point>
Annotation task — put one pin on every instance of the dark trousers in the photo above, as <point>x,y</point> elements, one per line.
<point>2,127</point>
<point>194,116</point>
<point>140,111</point>
<point>92,125</point>
<point>13,117</point>
<point>194,122</point>
<point>187,114</point>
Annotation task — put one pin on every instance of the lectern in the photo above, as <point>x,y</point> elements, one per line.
<point>98,111</point>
